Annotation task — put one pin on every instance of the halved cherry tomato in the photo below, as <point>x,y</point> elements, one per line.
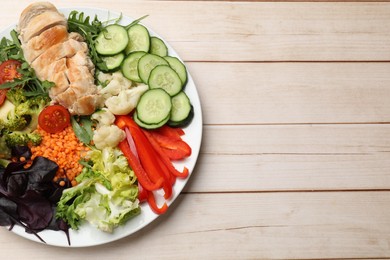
<point>3,95</point>
<point>9,70</point>
<point>54,118</point>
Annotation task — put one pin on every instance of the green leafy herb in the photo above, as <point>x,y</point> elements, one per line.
<point>90,29</point>
<point>32,86</point>
<point>136,21</point>
<point>82,127</point>
<point>10,48</point>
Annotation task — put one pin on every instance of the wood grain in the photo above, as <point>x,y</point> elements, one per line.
<point>248,226</point>
<point>295,157</point>
<point>293,93</point>
<point>257,31</point>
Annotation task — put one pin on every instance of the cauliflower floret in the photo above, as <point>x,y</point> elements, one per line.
<point>108,136</point>
<point>103,117</point>
<point>116,83</point>
<point>104,77</point>
<point>126,101</point>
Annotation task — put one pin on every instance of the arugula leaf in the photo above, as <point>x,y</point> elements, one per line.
<point>82,127</point>
<point>10,48</point>
<point>32,86</point>
<point>136,21</point>
<point>90,29</point>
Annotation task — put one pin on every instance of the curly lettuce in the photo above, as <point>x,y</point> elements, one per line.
<point>106,196</point>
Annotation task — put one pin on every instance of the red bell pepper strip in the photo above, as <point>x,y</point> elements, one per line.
<point>146,154</point>
<point>142,193</point>
<point>179,130</point>
<point>142,176</point>
<point>153,204</point>
<point>169,132</point>
<point>170,178</point>
<point>164,157</point>
<point>175,149</point>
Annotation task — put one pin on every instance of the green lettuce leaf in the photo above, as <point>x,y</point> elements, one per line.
<point>106,195</point>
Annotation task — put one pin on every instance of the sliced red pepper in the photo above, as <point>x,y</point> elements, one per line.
<point>142,193</point>
<point>142,176</point>
<point>146,154</point>
<point>169,132</point>
<point>179,130</point>
<point>153,204</point>
<point>169,177</point>
<point>175,149</point>
<point>164,157</point>
<point>149,160</point>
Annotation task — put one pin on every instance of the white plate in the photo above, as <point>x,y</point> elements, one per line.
<point>88,235</point>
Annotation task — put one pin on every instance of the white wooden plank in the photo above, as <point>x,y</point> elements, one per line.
<point>246,226</point>
<point>296,139</point>
<point>284,172</point>
<point>256,31</point>
<point>269,93</point>
<point>302,157</point>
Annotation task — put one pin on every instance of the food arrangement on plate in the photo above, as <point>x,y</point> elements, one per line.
<point>93,120</point>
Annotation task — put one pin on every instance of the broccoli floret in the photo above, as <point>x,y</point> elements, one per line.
<point>24,114</point>
<point>16,96</point>
<point>20,118</point>
<point>30,110</point>
<point>32,106</point>
<point>5,151</point>
<point>14,122</point>
<point>21,139</point>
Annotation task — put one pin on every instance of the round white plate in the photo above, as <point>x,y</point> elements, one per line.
<point>91,236</point>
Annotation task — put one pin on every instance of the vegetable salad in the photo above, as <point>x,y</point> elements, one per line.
<point>128,145</point>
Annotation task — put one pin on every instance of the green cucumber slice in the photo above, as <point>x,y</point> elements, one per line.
<point>182,111</point>
<point>112,40</point>
<point>154,106</point>
<point>130,66</point>
<point>113,62</point>
<point>148,126</point>
<point>158,47</point>
<point>179,67</point>
<point>147,63</point>
<point>139,39</point>
<point>165,77</point>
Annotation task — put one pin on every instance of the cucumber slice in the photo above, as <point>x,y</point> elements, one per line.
<point>183,123</point>
<point>129,66</point>
<point>113,62</point>
<point>112,40</point>
<point>154,106</point>
<point>182,111</point>
<point>148,126</point>
<point>139,39</point>
<point>147,63</point>
<point>179,67</point>
<point>165,77</point>
<point>158,47</point>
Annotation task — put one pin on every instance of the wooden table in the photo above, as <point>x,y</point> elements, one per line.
<point>295,159</point>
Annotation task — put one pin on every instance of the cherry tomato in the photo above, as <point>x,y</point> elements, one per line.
<point>54,118</point>
<point>9,70</point>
